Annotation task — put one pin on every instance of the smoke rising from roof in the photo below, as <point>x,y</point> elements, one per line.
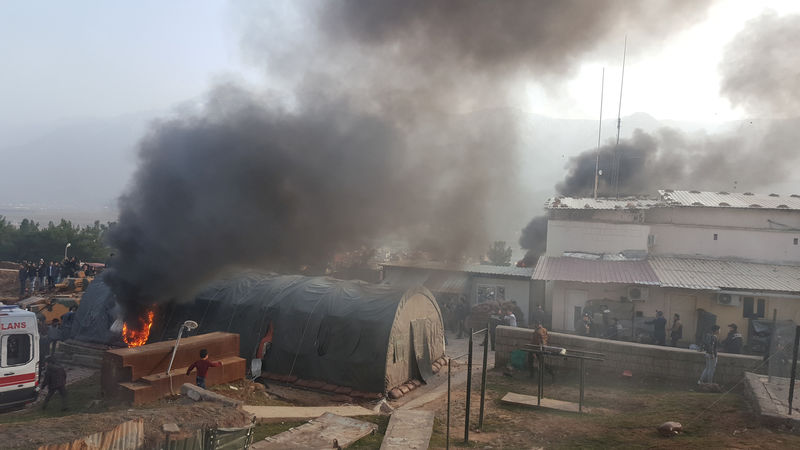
<point>390,118</point>
<point>760,72</point>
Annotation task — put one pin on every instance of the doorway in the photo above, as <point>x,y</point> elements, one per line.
<point>575,301</point>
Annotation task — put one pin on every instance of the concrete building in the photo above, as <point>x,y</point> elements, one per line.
<point>712,257</point>
<point>478,283</point>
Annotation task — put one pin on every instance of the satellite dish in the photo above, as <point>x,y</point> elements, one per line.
<point>190,325</point>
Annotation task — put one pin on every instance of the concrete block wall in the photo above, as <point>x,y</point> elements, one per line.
<point>677,364</point>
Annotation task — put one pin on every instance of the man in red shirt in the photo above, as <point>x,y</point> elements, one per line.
<point>203,365</point>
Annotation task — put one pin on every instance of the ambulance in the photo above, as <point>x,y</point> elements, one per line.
<point>19,357</point>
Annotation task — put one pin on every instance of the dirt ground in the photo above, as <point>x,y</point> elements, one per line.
<point>189,417</point>
<point>625,414</point>
<point>87,414</point>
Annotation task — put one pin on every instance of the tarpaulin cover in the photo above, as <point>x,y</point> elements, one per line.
<point>97,312</point>
<point>323,329</point>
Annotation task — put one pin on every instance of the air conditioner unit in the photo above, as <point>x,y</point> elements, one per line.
<point>638,293</point>
<point>729,299</point>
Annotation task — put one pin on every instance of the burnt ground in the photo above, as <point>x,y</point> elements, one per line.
<point>625,414</point>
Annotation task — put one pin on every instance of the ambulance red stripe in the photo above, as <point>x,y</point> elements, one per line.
<point>18,379</point>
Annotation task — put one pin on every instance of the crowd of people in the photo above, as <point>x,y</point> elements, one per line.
<point>43,276</point>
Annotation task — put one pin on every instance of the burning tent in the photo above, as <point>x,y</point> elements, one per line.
<point>347,333</point>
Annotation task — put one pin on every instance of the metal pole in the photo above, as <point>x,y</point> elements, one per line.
<point>599,131</point>
<point>772,340</point>
<point>541,379</point>
<point>448,403</point>
<point>580,400</point>
<point>469,389</point>
<point>794,366</point>
<point>483,375</point>
<point>175,350</point>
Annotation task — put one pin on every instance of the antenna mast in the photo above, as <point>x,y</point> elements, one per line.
<point>619,117</point>
<point>599,130</point>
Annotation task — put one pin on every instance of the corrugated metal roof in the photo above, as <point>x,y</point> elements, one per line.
<point>671,198</point>
<point>730,199</point>
<point>564,268</point>
<point>718,274</point>
<point>479,269</point>
<point>506,271</point>
<point>601,203</point>
<point>449,282</point>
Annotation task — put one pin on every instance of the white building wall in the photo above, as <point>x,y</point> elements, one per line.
<point>594,237</point>
<point>755,245</point>
<point>725,217</point>
<point>518,290</point>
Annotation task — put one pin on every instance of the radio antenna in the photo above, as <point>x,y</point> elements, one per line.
<point>599,130</point>
<point>619,118</point>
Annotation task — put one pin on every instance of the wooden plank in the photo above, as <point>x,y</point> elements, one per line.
<point>408,429</point>
<point>548,403</point>
<point>319,433</point>
<point>265,413</point>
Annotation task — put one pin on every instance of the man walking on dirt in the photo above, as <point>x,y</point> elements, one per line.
<point>710,346</point>
<point>55,380</point>
<point>203,364</point>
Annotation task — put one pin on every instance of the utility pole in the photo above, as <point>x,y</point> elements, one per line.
<point>599,130</point>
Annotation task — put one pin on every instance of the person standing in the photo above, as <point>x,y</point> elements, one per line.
<point>42,273</point>
<point>55,380</point>
<point>462,312</point>
<point>67,322</point>
<point>538,316</point>
<point>51,275</point>
<point>23,278</point>
<point>510,319</point>
<point>202,365</point>
<point>676,332</point>
<point>614,331</point>
<point>32,276</point>
<point>659,328</point>
<point>733,341</point>
<point>54,335</point>
<point>710,347</point>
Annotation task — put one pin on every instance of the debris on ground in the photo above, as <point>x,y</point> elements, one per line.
<point>670,429</point>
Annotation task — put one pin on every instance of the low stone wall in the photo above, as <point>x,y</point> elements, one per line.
<point>678,364</point>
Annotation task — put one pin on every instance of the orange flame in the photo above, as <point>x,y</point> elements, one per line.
<point>138,336</point>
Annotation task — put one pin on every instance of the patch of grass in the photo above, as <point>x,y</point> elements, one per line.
<point>375,439</point>
<point>370,441</point>
<point>266,430</point>
<point>79,395</point>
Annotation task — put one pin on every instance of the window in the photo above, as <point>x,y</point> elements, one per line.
<point>795,241</point>
<point>753,309</point>
<point>16,350</point>
<point>715,236</point>
<point>651,240</point>
<point>489,292</point>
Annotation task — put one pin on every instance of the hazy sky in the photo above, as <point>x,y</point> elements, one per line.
<point>65,60</point>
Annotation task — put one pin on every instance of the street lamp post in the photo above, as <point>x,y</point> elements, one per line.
<point>65,249</point>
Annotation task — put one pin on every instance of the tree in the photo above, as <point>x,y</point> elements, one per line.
<point>499,254</point>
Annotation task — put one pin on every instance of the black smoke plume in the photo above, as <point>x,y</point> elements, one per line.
<point>759,71</point>
<point>385,119</point>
